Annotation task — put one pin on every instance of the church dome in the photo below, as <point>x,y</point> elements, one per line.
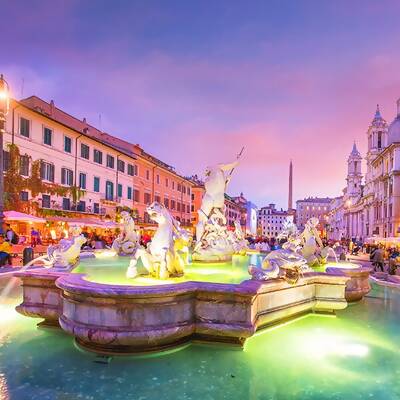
<point>394,128</point>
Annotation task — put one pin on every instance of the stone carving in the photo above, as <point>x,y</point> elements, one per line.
<point>237,239</point>
<point>127,241</point>
<point>65,254</point>
<point>286,263</point>
<point>214,241</point>
<point>313,249</point>
<point>167,253</point>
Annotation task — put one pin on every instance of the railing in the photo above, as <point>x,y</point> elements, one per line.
<point>76,208</point>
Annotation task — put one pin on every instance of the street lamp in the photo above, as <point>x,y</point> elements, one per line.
<point>4,107</point>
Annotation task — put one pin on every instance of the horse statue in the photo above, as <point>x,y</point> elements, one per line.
<point>168,251</point>
<point>127,241</point>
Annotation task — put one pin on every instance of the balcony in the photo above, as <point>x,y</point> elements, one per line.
<point>54,206</point>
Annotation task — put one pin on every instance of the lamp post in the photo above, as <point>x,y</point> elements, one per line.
<point>4,106</point>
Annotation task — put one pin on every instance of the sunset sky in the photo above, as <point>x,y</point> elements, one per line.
<point>193,82</point>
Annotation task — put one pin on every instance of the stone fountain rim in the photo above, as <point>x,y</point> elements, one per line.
<point>76,283</point>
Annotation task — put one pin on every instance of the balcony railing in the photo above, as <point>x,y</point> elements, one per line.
<point>75,208</point>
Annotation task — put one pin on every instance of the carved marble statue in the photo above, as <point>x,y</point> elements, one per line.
<point>127,241</point>
<point>313,249</point>
<point>168,251</point>
<point>214,241</point>
<point>65,254</point>
<point>287,262</point>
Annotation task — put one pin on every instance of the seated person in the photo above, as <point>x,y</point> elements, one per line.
<point>5,251</point>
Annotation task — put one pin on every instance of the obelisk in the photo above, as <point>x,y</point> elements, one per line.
<point>290,199</point>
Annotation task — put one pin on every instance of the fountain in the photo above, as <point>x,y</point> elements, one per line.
<point>214,241</point>
<point>305,252</point>
<point>168,308</point>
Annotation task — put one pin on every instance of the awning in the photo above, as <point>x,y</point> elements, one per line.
<point>90,222</point>
<point>22,217</point>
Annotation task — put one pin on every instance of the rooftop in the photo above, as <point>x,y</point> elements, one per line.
<point>49,110</point>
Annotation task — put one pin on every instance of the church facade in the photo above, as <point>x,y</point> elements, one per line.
<point>370,205</point>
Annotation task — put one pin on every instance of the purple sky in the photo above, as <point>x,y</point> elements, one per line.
<point>193,83</point>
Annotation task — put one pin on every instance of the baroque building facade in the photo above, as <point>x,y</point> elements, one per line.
<point>371,208</point>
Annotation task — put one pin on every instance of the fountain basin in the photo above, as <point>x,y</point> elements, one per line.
<point>358,285</point>
<point>130,319</point>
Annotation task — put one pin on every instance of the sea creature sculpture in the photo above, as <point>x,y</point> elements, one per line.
<point>127,241</point>
<point>287,262</point>
<point>65,254</point>
<point>313,249</point>
<point>283,263</point>
<point>167,253</point>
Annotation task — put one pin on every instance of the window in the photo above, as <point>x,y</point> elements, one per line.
<point>47,171</point>
<point>121,166</point>
<point>172,204</point>
<point>66,203</point>
<point>136,195</point>
<point>85,151</point>
<point>147,174</point>
<point>47,136</point>
<point>6,160</point>
<point>97,156</point>
<point>133,170</point>
<point>129,193</point>
<point>110,161</point>
<point>173,185</point>
<point>147,198</point>
<point>67,177</point>
<point>157,198</point>
<point>109,190</point>
<point>24,127</point>
<point>45,201</point>
<point>166,182</point>
<point>179,188</point>
<point>178,208</point>
<point>119,190</point>
<point>158,179</point>
<point>188,190</point>
<point>96,208</point>
<point>81,206</point>
<point>67,144</point>
<point>24,196</point>
<point>24,165</point>
<point>96,184</point>
<point>379,139</point>
<point>187,208</point>
<point>82,180</point>
<point>166,202</point>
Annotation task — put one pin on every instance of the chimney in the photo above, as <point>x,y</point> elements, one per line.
<point>52,107</point>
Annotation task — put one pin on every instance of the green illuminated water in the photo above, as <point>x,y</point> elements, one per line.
<point>113,271</point>
<point>352,356</point>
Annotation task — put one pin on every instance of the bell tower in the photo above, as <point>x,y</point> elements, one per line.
<point>354,175</point>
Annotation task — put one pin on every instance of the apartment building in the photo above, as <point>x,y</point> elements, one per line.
<point>111,172</point>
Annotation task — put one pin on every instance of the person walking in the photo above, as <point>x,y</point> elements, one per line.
<point>378,259</point>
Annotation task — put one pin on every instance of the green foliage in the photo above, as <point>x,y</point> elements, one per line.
<point>14,183</point>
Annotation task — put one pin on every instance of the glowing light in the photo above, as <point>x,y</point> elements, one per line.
<point>323,345</point>
<point>3,95</point>
<point>105,254</point>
